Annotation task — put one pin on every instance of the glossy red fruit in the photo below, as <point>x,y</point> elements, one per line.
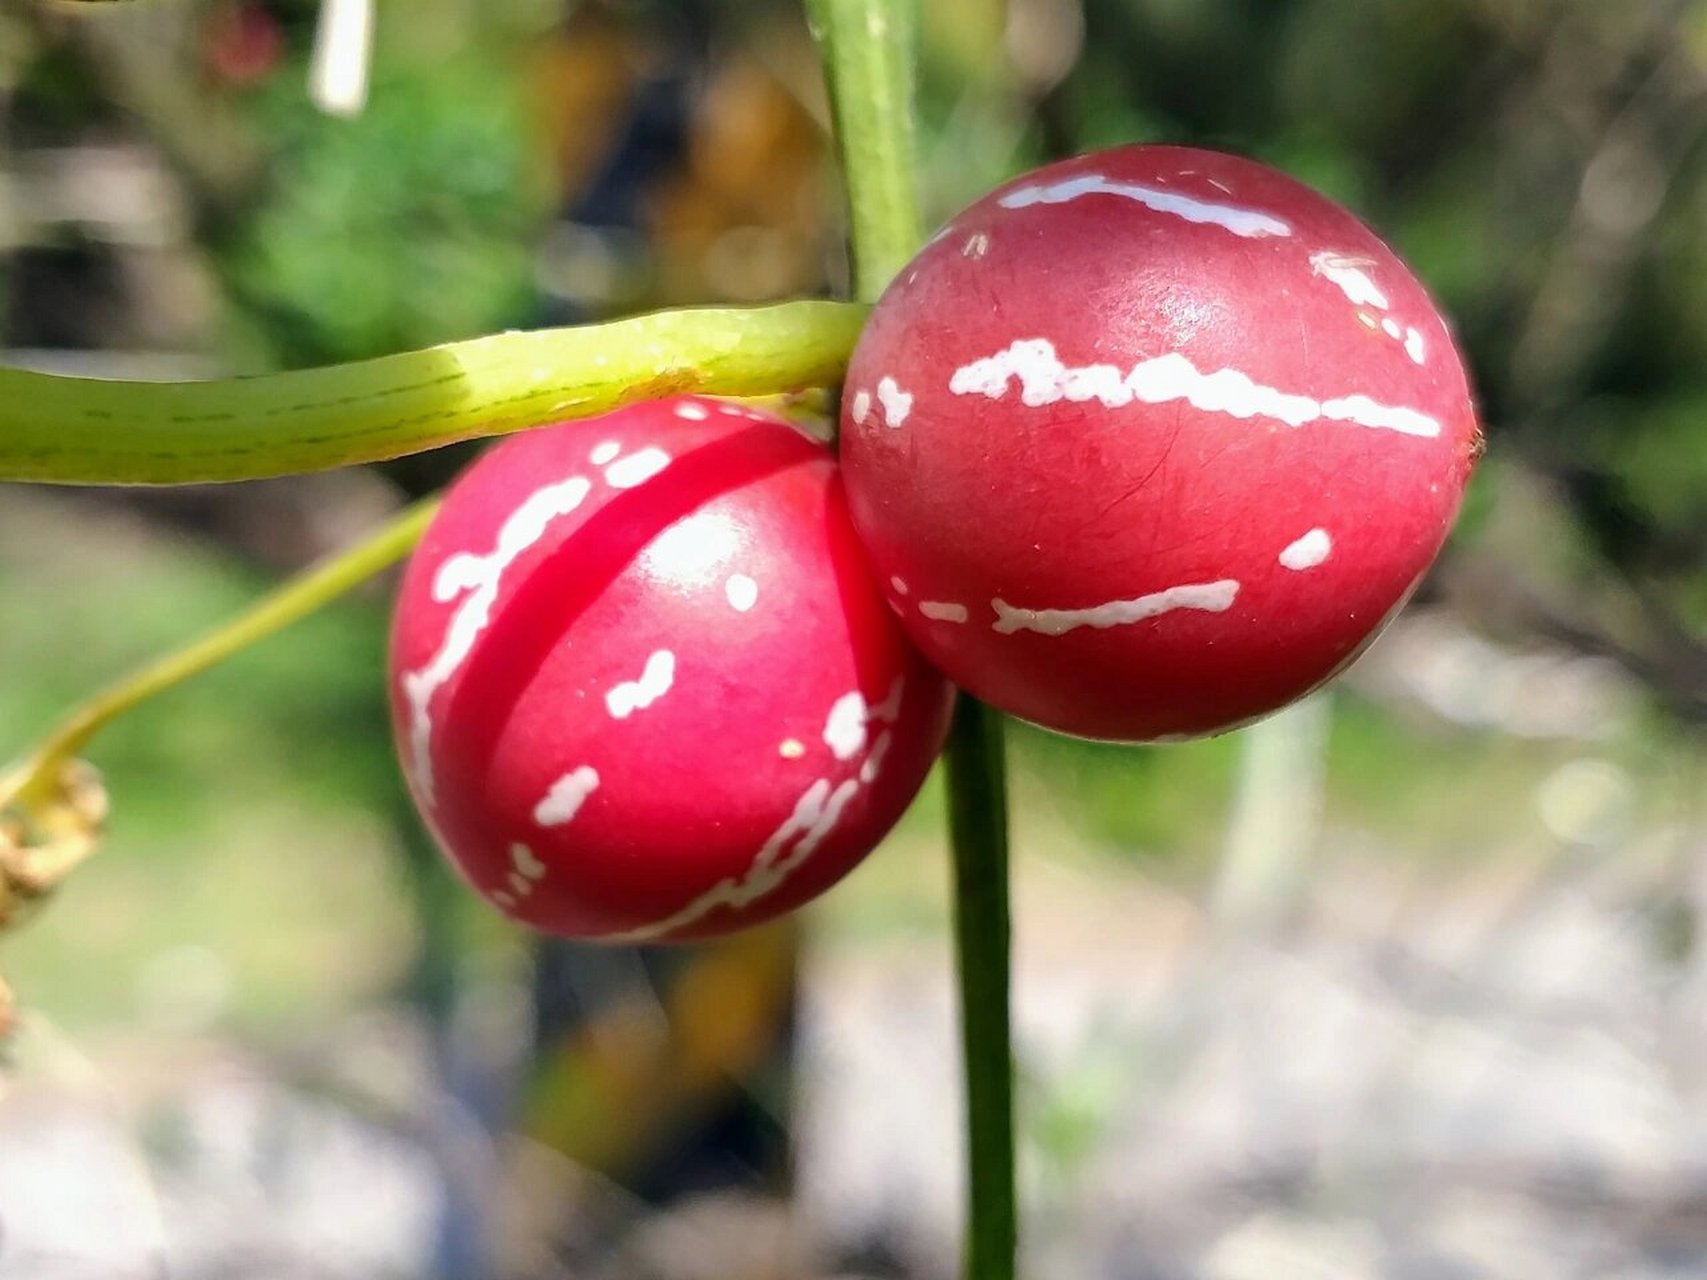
<point>643,682</point>
<point>1150,442</point>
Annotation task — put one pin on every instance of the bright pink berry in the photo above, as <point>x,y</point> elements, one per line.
<point>643,682</point>
<point>1151,442</point>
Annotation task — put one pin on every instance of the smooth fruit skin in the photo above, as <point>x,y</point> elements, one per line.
<point>1150,442</point>
<point>643,682</point>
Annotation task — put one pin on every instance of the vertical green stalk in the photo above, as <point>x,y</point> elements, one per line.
<point>978,829</point>
<point>866,47</point>
<point>867,50</point>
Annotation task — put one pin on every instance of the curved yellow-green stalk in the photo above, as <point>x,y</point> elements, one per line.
<point>92,431</point>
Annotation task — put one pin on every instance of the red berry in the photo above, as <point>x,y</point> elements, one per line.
<point>643,682</point>
<point>1150,442</point>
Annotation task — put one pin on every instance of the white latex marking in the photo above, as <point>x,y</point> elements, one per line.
<point>1249,223</point>
<point>505,900</point>
<point>1348,275</point>
<point>874,762</point>
<point>1043,379</point>
<point>900,585</point>
<point>943,610</point>
<point>889,710</point>
<point>742,591</point>
<point>526,865</point>
<point>1364,412</point>
<point>636,468</point>
<point>976,246</point>
<point>692,412</point>
<point>1209,597</point>
<point>636,695</point>
<point>844,728</point>
<point>603,453</point>
<point>861,406</point>
<point>1309,551</point>
<point>525,871</point>
<point>897,404</point>
<point>476,579</point>
<point>815,816</point>
<point>566,797</point>
<point>791,749</point>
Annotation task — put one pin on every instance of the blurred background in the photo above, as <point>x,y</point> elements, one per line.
<point>1407,983</point>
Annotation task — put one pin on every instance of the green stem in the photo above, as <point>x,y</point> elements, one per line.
<point>867,51</point>
<point>296,599</point>
<point>91,431</point>
<point>978,823</point>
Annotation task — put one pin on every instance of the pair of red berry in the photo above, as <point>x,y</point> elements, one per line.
<point>1142,445</point>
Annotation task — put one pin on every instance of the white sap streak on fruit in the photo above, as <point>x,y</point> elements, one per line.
<point>1249,223</point>
<point>1364,412</point>
<point>861,406</point>
<point>814,817</point>
<point>844,728</point>
<point>1308,551</point>
<point>943,610</point>
<point>476,577</point>
<point>692,412</point>
<point>742,592</point>
<point>1044,380</point>
<point>889,710</point>
<point>900,585</point>
<point>523,860</point>
<point>1208,597</point>
<point>525,871</point>
<point>976,246</point>
<point>505,900</point>
<point>874,762</point>
<point>897,404</point>
<point>603,453</point>
<point>636,468</point>
<point>636,695</point>
<point>566,797</point>
<point>1347,274</point>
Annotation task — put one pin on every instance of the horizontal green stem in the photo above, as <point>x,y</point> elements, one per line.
<point>93,431</point>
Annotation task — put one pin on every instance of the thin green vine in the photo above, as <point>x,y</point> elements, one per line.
<point>33,783</point>
<point>867,51</point>
<point>93,431</point>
